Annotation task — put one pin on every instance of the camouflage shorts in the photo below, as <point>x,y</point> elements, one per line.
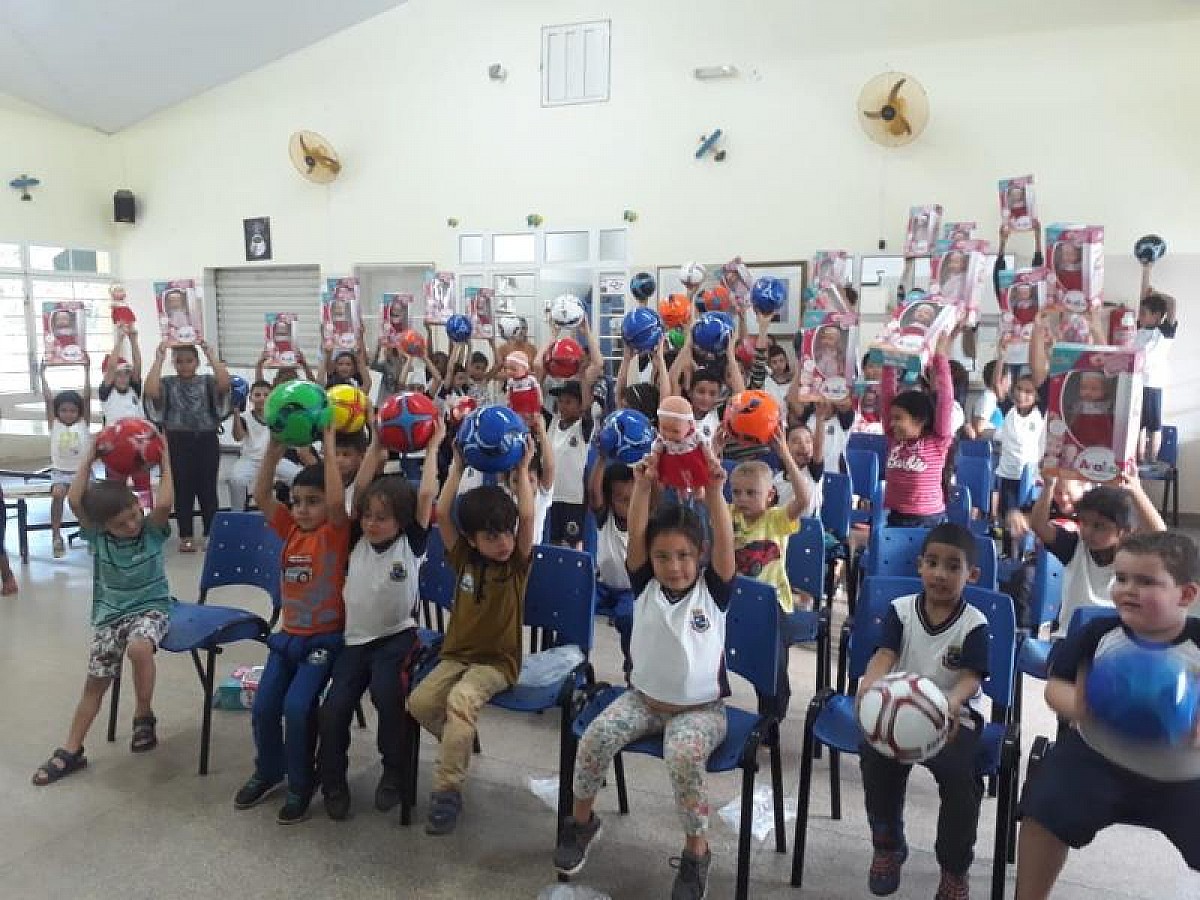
<point>109,641</point>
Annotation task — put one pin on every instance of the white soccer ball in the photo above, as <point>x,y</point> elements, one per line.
<point>905,717</point>
<point>511,327</point>
<point>691,274</point>
<point>566,311</point>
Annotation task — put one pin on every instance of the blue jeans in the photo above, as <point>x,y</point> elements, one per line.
<point>285,706</point>
<point>618,606</point>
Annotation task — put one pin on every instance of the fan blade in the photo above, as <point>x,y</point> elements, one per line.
<point>895,91</point>
<point>899,126</point>
<point>873,115</point>
<point>303,145</point>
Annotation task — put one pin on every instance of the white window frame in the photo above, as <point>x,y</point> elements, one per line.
<point>551,31</point>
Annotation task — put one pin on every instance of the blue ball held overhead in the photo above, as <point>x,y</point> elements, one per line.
<point>458,328</point>
<point>769,294</point>
<point>626,436</point>
<point>492,439</point>
<point>1145,693</point>
<point>642,285</point>
<point>642,329</point>
<point>712,333</point>
<point>1149,249</point>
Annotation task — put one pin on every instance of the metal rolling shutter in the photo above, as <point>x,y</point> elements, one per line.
<point>245,296</point>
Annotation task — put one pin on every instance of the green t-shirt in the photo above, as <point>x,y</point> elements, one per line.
<point>128,575</point>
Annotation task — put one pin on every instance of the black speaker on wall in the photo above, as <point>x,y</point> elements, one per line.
<point>123,207</point>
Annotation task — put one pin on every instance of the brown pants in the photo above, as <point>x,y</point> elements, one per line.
<point>447,703</point>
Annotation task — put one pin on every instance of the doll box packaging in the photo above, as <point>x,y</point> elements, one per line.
<point>910,338</point>
<point>1095,407</point>
<point>441,297</point>
<point>179,317</point>
<point>340,319</point>
<point>1017,208</point>
<point>958,231</point>
<point>957,273</point>
<point>394,317</point>
<point>1075,257</point>
<point>922,231</point>
<point>1022,297</point>
<point>64,332</point>
<point>827,356</point>
<point>280,339</point>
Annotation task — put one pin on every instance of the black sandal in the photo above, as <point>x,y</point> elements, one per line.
<point>144,737</point>
<point>51,771</point>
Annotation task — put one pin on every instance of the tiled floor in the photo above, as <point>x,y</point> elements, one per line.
<point>148,827</point>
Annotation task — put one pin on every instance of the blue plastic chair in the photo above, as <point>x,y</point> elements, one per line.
<point>836,497</point>
<point>958,505</point>
<point>864,478</point>
<point>751,651</point>
<point>876,443</point>
<point>897,550</point>
<point>977,448</point>
<point>975,473</point>
<point>1167,471</point>
<point>242,550</point>
<point>560,600</point>
<point>805,566</point>
<point>1045,600</point>
<point>832,721</point>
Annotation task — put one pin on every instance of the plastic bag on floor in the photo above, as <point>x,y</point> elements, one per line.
<point>762,817</point>
<point>546,790</point>
<point>549,667</point>
<point>571,892</point>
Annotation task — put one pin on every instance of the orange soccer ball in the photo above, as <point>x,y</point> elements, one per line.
<point>675,310</point>
<point>753,416</point>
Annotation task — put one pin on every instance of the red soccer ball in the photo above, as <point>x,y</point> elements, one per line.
<point>412,343</point>
<point>129,446</point>
<point>563,358</point>
<point>406,422</point>
<point>460,409</point>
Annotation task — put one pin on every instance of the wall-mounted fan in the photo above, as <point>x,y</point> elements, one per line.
<point>893,109</point>
<point>314,157</point>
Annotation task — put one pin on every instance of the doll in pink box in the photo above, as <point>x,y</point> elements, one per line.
<point>683,461</point>
<point>1090,417</point>
<point>524,395</point>
<point>1068,272</point>
<point>829,352</point>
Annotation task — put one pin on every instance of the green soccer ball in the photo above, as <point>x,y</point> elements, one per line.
<point>676,337</point>
<point>297,413</point>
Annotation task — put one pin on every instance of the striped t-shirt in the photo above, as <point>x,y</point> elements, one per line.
<point>128,574</point>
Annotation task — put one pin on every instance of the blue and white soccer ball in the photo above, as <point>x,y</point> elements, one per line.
<point>492,439</point>
<point>712,333</point>
<point>768,294</point>
<point>458,328</point>
<point>626,435</point>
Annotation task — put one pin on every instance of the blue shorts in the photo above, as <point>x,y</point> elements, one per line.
<point>1010,494</point>
<point>1152,409</point>
<point>1076,792</point>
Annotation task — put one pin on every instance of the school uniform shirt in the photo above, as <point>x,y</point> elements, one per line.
<point>612,549</point>
<point>258,437</point>
<point>1107,635</point>
<point>812,476</point>
<point>381,587</point>
<point>760,548</point>
<point>117,405</point>
<point>707,425</point>
<point>941,653</point>
<point>1156,343</point>
<point>314,572</point>
<point>1022,438</point>
<point>837,436</point>
<point>69,444</point>
<point>778,391</point>
<point>987,408</point>
<point>1087,577</point>
<point>570,445</point>
<point>678,643</point>
<point>641,371</point>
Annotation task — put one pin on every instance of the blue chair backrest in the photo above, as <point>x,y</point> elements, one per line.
<point>864,470</point>
<point>981,449</point>
<point>1045,595</point>
<point>243,549</point>
<point>806,558</point>
<point>975,473</point>
<point>876,443</point>
<point>591,535</point>
<point>1028,492</point>
<point>1087,614</point>
<point>435,581</point>
<point>835,504</point>
<point>561,595</point>
<point>752,634</point>
<point>877,595</point>
<point>958,505</point>
<point>896,550</point>
<point>1168,450</point>
<point>728,465</point>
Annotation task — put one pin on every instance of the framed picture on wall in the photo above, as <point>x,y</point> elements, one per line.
<point>793,272</point>
<point>257,235</point>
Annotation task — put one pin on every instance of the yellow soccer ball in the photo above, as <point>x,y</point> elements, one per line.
<point>349,408</point>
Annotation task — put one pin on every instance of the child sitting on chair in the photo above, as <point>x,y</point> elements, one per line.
<point>938,635</point>
<point>131,601</point>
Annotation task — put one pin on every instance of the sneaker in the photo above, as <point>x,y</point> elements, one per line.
<point>884,878</point>
<point>953,887</point>
<point>60,549</point>
<point>574,839</point>
<point>254,791</point>
<point>692,881</point>
<point>295,809</point>
<point>389,791</point>
<point>337,802</point>
<point>444,808</point>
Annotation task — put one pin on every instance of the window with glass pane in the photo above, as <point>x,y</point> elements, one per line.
<point>10,256</point>
<point>470,249</point>
<point>514,248</point>
<point>612,244</point>
<point>14,338</point>
<point>49,259</point>
<point>566,246</point>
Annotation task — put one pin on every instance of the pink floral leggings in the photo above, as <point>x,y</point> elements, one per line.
<point>689,738</point>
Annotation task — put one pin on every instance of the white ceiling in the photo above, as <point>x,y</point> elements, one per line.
<point>111,63</point>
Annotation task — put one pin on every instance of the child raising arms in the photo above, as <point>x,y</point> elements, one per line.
<point>678,670</point>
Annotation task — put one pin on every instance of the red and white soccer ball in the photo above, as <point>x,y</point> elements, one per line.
<point>904,717</point>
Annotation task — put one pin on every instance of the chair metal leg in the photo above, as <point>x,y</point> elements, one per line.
<point>114,701</point>
<point>835,784</point>
<point>777,790</point>
<point>622,794</point>
<point>23,530</point>
<point>476,748</point>
<point>1017,703</point>
<point>742,891</point>
<point>206,684</point>
<point>1000,852</point>
<point>804,796</point>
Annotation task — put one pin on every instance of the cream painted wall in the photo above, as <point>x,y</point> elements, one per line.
<point>77,168</point>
